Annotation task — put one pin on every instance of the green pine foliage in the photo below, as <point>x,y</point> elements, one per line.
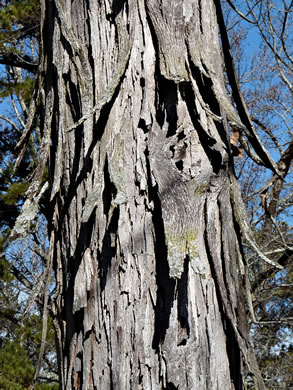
<point>19,34</point>
<point>20,340</point>
<point>16,369</point>
<point>18,18</point>
<point>14,193</point>
<point>24,88</point>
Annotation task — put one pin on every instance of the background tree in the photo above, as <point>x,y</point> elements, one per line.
<point>266,78</point>
<point>23,270</point>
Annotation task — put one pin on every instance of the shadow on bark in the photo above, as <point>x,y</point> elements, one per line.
<point>166,285</point>
<point>99,128</point>
<point>76,319</point>
<point>233,350</point>
<point>182,305</point>
<point>206,140</point>
<point>117,6</point>
<point>171,386</point>
<point>166,103</point>
<point>108,249</point>
<point>205,86</point>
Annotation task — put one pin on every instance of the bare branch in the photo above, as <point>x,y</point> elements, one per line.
<point>10,122</point>
<point>239,12</point>
<point>269,132</point>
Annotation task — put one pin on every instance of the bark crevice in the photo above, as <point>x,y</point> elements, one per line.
<point>165,284</point>
<point>207,142</point>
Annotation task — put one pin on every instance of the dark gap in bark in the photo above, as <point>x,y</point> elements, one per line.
<point>160,114</point>
<point>182,304</point>
<point>47,36</point>
<point>100,126</point>
<point>170,105</point>
<point>83,242</point>
<point>234,357</point>
<point>72,98</point>
<point>153,33</point>
<point>110,18</point>
<point>140,376</point>
<point>75,183</point>
<point>78,146</point>
<point>108,251</point>
<point>54,128</point>
<point>180,135</point>
<point>127,16</point>
<point>90,51</point>
<point>51,72</point>
<point>75,326</point>
<point>104,116</point>
<point>116,8</point>
<point>143,36</point>
<point>205,86</point>
<point>66,45</point>
<point>111,378</point>
<point>180,156</point>
<point>206,141</point>
<point>208,336</point>
<point>137,184</point>
<point>230,71</point>
<point>110,190</point>
<point>167,103</point>
<point>200,16</point>
<point>242,306</point>
<point>243,327</point>
<point>43,206</point>
<point>105,314</point>
<point>237,227</point>
<point>118,5</point>
<point>208,94</point>
<point>166,90</point>
<point>142,125</point>
<point>142,82</point>
<point>223,263</point>
<point>233,350</point>
<point>165,284</point>
<point>56,204</point>
<point>172,149</point>
<point>170,386</point>
<point>179,165</point>
<point>224,134</point>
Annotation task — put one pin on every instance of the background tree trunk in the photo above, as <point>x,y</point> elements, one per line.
<point>145,246</point>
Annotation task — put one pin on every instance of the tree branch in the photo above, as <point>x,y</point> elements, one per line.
<point>12,59</point>
<point>238,97</point>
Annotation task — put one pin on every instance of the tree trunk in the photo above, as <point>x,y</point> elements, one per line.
<point>145,247</point>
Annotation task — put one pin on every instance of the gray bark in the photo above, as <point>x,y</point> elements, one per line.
<point>145,247</point>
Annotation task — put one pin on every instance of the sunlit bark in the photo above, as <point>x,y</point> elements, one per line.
<point>143,236</point>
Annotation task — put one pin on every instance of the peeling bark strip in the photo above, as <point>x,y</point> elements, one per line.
<point>150,287</point>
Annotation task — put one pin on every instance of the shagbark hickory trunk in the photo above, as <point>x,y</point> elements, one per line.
<point>146,252</point>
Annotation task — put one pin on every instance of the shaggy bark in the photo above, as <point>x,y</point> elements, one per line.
<point>145,246</point>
